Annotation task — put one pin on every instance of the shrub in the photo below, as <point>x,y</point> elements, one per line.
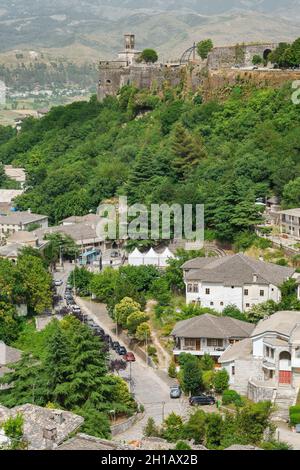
<point>182,445</point>
<point>172,428</point>
<point>172,370</point>
<point>195,428</point>
<point>294,415</point>
<point>208,379</point>
<point>151,429</point>
<point>152,351</point>
<point>221,381</point>
<point>207,363</point>
<point>231,396</point>
<point>275,445</point>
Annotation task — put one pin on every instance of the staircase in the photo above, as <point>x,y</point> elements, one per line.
<point>285,397</point>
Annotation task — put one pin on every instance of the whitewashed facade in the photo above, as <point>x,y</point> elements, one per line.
<point>233,280</point>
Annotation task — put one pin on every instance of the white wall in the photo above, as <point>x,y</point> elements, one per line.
<point>258,347</point>
<point>221,296</point>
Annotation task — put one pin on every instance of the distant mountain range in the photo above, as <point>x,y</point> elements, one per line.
<point>89,29</point>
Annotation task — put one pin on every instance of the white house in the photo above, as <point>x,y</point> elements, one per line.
<point>21,221</point>
<point>266,366</point>
<point>233,280</point>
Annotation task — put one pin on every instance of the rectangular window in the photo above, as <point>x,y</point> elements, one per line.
<point>195,288</point>
<point>246,292</point>
<point>233,370</point>
<point>221,303</point>
<point>247,305</point>
<point>262,293</point>
<point>189,343</point>
<point>190,287</point>
<point>207,291</point>
<point>214,342</point>
<point>211,304</point>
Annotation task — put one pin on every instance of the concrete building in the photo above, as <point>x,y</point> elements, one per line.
<point>84,235</point>
<point>233,280</point>
<point>20,221</point>
<point>266,366</point>
<point>290,222</point>
<point>208,334</point>
<point>16,174</point>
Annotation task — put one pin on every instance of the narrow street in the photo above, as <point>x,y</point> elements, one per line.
<point>148,388</point>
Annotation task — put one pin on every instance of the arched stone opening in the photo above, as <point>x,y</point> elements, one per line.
<point>266,54</point>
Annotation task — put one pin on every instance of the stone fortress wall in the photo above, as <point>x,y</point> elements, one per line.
<point>126,70</point>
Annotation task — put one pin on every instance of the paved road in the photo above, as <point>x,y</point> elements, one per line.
<point>148,388</point>
<point>64,276</point>
<point>286,435</point>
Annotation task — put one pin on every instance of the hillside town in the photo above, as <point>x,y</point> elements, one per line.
<point>119,343</point>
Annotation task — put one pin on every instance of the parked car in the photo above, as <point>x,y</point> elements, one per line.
<point>130,357</point>
<point>122,351</point>
<point>76,309</point>
<point>58,282</point>
<point>175,391</point>
<point>115,345</point>
<point>202,400</point>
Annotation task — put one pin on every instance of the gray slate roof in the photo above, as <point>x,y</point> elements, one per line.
<point>281,322</point>
<point>210,326</point>
<point>16,218</point>
<point>236,270</point>
<point>79,232</point>
<point>9,355</point>
<point>38,419</point>
<point>240,350</point>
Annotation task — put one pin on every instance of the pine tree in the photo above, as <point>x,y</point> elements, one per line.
<point>29,384</point>
<point>87,381</point>
<point>187,150</point>
<point>57,365</point>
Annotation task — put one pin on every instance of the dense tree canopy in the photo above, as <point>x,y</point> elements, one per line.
<point>222,154</point>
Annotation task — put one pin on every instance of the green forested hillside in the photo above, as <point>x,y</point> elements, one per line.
<point>163,149</point>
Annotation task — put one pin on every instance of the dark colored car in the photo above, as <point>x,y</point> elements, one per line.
<point>129,357</point>
<point>122,351</point>
<point>115,345</point>
<point>202,400</point>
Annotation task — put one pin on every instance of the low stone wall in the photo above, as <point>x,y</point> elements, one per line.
<point>122,427</point>
<point>258,393</point>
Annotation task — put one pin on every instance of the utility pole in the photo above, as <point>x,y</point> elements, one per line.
<point>130,377</point>
<point>146,348</point>
<point>74,276</point>
<point>60,256</point>
<point>163,410</point>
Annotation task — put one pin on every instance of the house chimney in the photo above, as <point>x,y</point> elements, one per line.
<point>58,417</point>
<point>50,436</point>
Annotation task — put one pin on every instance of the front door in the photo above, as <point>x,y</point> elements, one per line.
<point>198,344</point>
<point>285,377</point>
